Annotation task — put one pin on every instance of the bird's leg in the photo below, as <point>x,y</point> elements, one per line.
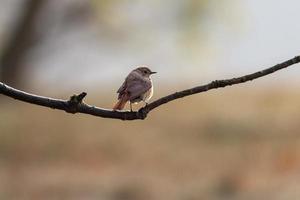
<point>146,103</point>
<point>130,106</point>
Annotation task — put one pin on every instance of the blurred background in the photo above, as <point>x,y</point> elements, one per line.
<point>241,142</point>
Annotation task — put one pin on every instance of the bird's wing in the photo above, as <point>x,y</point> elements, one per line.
<point>134,86</point>
<point>137,87</point>
<point>123,89</point>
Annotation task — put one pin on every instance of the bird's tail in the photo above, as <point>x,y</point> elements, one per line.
<point>121,103</point>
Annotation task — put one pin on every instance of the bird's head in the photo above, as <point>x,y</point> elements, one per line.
<point>144,71</point>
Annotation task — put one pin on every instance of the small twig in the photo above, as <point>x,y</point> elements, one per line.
<point>76,105</point>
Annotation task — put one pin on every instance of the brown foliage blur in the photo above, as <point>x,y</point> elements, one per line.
<point>225,144</point>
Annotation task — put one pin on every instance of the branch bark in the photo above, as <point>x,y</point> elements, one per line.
<point>76,105</point>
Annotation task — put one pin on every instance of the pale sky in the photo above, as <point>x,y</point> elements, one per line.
<point>271,36</point>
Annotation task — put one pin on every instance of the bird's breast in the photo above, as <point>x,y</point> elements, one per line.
<point>147,96</point>
<point>143,97</point>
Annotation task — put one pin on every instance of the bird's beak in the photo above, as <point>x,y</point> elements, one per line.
<point>153,72</point>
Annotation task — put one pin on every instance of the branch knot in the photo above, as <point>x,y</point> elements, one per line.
<point>74,101</point>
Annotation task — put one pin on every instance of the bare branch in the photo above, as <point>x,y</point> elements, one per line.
<point>73,105</point>
<point>222,83</point>
<point>76,105</point>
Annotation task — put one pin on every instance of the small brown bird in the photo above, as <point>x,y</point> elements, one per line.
<point>137,87</point>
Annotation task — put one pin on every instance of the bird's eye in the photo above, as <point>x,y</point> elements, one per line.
<point>145,72</point>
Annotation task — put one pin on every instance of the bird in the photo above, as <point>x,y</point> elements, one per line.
<point>137,87</point>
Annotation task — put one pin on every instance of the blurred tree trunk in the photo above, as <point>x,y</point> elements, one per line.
<point>20,41</point>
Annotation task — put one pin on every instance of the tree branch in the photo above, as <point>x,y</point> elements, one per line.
<point>76,105</point>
